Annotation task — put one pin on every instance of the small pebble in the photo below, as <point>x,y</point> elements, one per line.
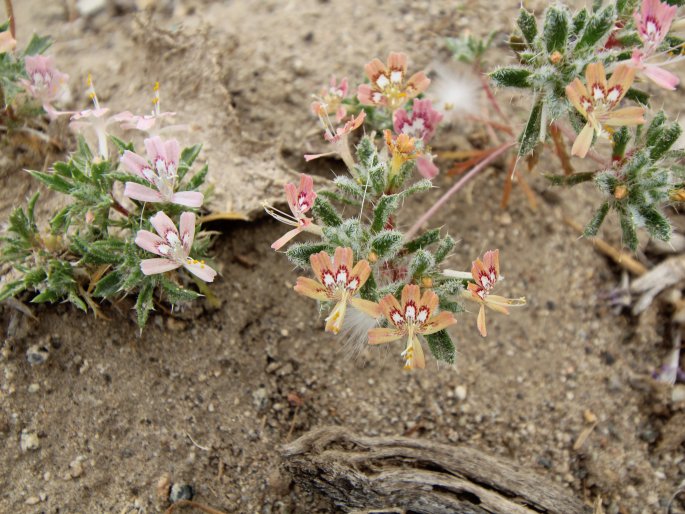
<point>180,492</point>
<point>32,500</point>
<point>29,441</point>
<point>75,468</point>
<point>37,355</point>
<point>460,393</point>
<point>34,388</point>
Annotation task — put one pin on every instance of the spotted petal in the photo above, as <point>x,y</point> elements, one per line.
<point>343,257</point>
<point>388,305</point>
<point>163,224</point>
<point>134,163</point>
<point>187,230</point>
<point>149,241</point>
<point>438,323</point>
<point>410,293</point>
<point>575,92</point>
<point>320,262</point>
<point>622,77</point>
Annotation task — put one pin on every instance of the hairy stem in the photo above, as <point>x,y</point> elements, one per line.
<point>456,187</point>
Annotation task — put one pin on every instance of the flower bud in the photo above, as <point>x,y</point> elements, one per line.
<point>556,57</point>
<point>620,192</point>
<point>426,282</point>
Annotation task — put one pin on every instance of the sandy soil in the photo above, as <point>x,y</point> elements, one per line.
<point>204,396</point>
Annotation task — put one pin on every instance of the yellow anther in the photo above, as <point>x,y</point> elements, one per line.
<point>155,100</point>
<point>89,80</point>
<point>156,86</point>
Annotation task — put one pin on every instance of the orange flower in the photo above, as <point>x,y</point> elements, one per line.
<point>337,281</point>
<point>485,273</point>
<point>596,102</point>
<point>388,87</point>
<point>402,148</point>
<point>415,315</point>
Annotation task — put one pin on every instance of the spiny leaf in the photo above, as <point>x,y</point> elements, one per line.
<point>422,262</point>
<point>387,243</point>
<point>444,248</point>
<point>324,211</point>
<point>555,31</point>
<point>385,206</point>
<point>426,239</point>
<point>593,225</point>
<point>598,27</point>
<point>511,77</point>
<point>299,253</point>
<point>528,26</point>
<point>441,346</point>
<point>531,133</point>
<point>53,181</point>
<point>144,303</point>
<point>37,45</point>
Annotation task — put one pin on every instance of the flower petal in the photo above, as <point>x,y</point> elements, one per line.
<point>388,305</point>
<point>417,84</point>
<point>583,141</point>
<point>142,193</point>
<point>320,262</point>
<point>622,77</point>
<point>410,292</point>
<point>628,116</point>
<point>188,198</point>
<point>335,319</point>
<point>149,241</point>
<point>134,163</point>
<point>480,322</point>
<point>661,77</point>
<point>172,151</point>
<point>595,76</point>
<point>374,69</point>
<point>427,167</point>
<point>575,91</point>
<point>201,270</point>
<point>155,266</point>
<point>343,257</point>
<point>163,224</point>
<point>281,241</point>
<point>491,260</point>
<point>187,230</point>
<point>311,289</point>
<point>364,93</point>
<point>361,270</point>
<point>439,322</point>
<point>384,335</point>
<point>418,360</point>
<point>367,307</point>
<point>155,149</point>
<point>430,300</point>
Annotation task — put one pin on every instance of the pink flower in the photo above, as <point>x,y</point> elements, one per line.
<point>337,136</point>
<point>146,122</point>
<point>94,118</point>
<point>330,100</point>
<point>173,247</point>
<point>388,86</point>
<point>300,200</point>
<point>160,170</point>
<point>653,23</point>
<point>421,124</point>
<point>46,83</point>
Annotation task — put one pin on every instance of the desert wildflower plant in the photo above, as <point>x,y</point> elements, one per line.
<point>585,72</point>
<point>117,235</point>
<point>376,283</point>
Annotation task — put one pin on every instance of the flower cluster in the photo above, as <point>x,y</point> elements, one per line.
<point>98,244</point>
<point>378,284</point>
<point>584,67</point>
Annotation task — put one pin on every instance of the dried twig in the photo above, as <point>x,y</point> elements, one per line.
<point>359,473</point>
<point>623,259</point>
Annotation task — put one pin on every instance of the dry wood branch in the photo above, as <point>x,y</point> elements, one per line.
<point>359,472</point>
